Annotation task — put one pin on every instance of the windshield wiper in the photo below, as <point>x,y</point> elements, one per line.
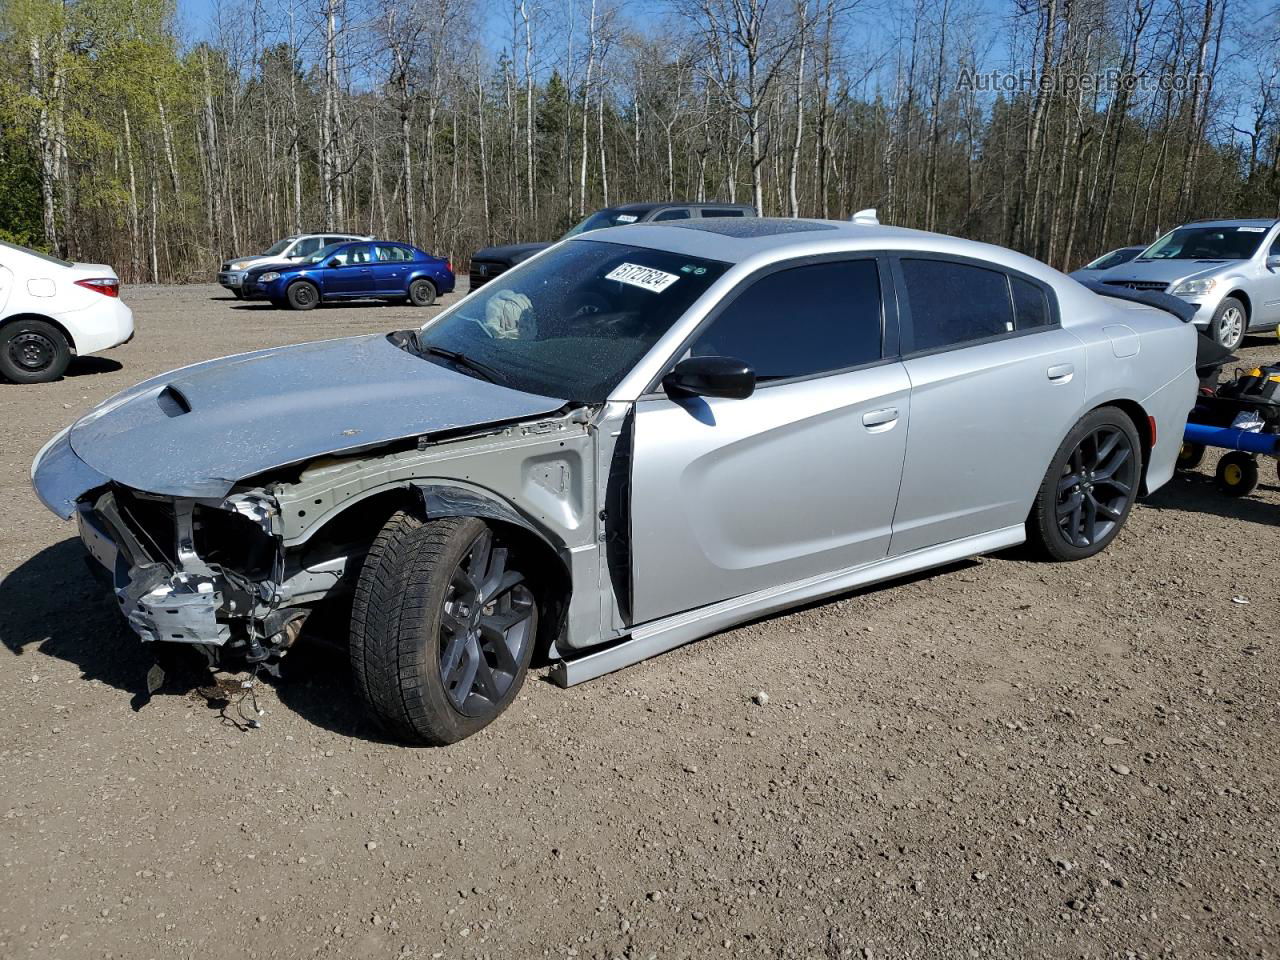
<point>460,359</point>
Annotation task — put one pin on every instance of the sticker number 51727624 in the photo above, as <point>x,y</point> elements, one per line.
<point>646,278</point>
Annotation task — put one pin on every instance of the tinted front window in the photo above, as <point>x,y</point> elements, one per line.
<point>574,321</point>
<point>1207,243</point>
<point>801,321</point>
<point>276,249</point>
<point>672,215</point>
<point>955,303</point>
<point>307,247</point>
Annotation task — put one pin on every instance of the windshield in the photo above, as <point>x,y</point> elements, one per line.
<point>574,321</point>
<point>35,253</point>
<point>1113,259</point>
<point>601,219</point>
<point>280,247</point>
<point>1207,243</point>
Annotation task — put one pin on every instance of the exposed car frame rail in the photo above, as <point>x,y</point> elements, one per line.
<point>1150,298</point>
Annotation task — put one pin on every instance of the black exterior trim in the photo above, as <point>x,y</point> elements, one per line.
<point>1150,298</point>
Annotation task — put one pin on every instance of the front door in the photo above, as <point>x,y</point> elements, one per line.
<point>353,277</point>
<point>1267,309</point>
<point>996,385</point>
<point>732,496</point>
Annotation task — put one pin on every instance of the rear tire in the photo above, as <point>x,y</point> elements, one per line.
<point>1089,488</point>
<point>422,293</point>
<point>33,351</point>
<point>1237,474</point>
<point>1230,321</point>
<point>442,628</point>
<point>303,295</point>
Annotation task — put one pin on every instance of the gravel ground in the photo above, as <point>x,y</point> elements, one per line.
<point>1003,758</point>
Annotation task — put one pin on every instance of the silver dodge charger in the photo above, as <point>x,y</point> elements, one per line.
<point>639,437</point>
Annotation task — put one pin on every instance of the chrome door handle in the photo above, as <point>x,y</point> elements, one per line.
<point>883,418</point>
<point>1061,372</point>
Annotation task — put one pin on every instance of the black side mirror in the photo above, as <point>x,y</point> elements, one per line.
<point>711,377</point>
<point>335,262</point>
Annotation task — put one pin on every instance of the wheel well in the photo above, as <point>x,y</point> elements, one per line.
<point>1245,302</point>
<point>359,524</point>
<point>71,342</point>
<point>1142,423</point>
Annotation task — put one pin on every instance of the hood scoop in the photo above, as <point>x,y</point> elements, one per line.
<point>172,402</point>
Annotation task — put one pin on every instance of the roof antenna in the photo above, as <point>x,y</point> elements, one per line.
<point>867,216</point>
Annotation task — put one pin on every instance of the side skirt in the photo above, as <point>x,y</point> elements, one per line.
<point>662,635</point>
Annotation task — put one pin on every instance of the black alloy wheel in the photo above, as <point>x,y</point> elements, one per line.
<point>486,624</point>
<point>1097,486</point>
<point>443,627</point>
<point>1089,488</point>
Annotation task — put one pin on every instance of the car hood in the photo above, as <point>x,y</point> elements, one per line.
<point>1167,271</point>
<point>513,254</point>
<point>196,431</point>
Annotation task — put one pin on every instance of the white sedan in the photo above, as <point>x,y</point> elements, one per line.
<point>52,310</point>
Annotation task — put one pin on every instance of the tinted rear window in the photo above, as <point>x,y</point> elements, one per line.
<point>955,303</point>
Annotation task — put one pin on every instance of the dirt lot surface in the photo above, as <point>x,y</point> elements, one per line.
<point>1004,758</point>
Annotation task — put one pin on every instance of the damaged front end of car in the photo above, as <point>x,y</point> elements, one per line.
<point>208,573</point>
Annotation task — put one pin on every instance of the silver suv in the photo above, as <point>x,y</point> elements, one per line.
<point>289,250</point>
<point>1228,269</point>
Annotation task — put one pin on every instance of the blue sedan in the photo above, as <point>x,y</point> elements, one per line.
<point>354,271</point>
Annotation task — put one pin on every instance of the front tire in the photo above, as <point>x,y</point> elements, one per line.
<point>422,293</point>
<point>303,295</point>
<point>33,351</point>
<point>1089,488</point>
<point>1230,321</point>
<point>442,628</point>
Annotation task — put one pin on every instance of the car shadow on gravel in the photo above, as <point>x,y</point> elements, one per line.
<point>315,684</point>
<point>1198,493</point>
<point>52,604</point>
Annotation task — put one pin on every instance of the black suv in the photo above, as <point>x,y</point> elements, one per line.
<point>492,261</point>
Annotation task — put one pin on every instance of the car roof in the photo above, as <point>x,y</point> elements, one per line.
<point>1257,222</point>
<point>776,238</point>
<point>653,205</point>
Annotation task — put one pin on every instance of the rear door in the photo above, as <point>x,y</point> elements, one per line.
<point>996,384</point>
<point>391,268</point>
<point>731,496</point>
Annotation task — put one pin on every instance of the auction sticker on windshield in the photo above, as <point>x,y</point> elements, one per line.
<point>646,278</point>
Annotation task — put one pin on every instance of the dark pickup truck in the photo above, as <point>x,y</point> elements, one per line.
<point>494,261</point>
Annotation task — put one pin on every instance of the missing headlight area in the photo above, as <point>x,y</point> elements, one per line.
<point>191,572</point>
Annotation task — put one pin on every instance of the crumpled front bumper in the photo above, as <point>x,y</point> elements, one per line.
<point>158,601</point>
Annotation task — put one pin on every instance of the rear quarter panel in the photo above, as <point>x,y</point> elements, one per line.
<point>1145,356</point>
